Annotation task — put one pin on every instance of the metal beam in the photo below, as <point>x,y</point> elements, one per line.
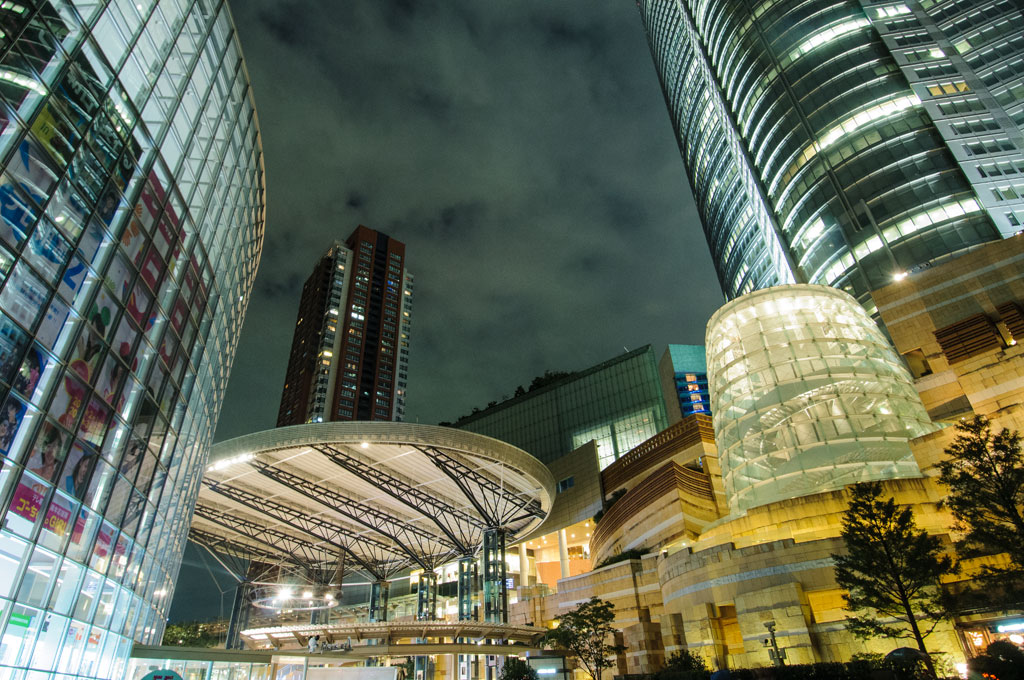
<point>491,499</point>
<point>383,559</point>
<point>414,541</point>
<point>215,543</point>
<point>300,552</point>
<point>455,523</point>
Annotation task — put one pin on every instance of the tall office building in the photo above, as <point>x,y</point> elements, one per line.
<point>131,222</point>
<point>350,352</point>
<point>844,142</point>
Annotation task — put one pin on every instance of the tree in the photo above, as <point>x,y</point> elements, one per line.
<point>985,476</point>
<point>517,669</point>
<point>891,570</point>
<point>683,662</point>
<point>583,633</point>
<point>190,634</point>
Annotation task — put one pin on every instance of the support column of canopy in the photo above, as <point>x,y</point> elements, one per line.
<point>466,589</point>
<point>495,577</point>
<point>495,595</point>
<point>321,580</point>
<point>379,591</point>
<point>239,620</point>
<point>426,610</point>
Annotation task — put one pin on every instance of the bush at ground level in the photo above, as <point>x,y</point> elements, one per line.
<point>860,669</point>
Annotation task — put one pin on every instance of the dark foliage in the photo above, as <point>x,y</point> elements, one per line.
<point>540,381</point>
<point>584,632</point>
<point>984,473</point>
<point>634,554</point>
<point>891,569</point>
<point>190,634</point>
<point>616,495</point>
<point>517,669</point>
<point>1003,660</point>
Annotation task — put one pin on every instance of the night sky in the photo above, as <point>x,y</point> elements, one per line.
<point>524,154</point>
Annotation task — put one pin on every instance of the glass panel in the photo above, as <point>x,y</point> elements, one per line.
<point>35,585</point>
<point>66,589</point>
<point>19,635</point>
<point>12,551</point>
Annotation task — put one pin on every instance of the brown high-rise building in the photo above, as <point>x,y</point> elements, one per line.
<point>350,352</point>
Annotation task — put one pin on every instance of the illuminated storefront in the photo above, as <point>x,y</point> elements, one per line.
<point>131,221</point>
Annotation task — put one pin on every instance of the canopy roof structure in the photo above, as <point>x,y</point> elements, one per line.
<point>378,497</point>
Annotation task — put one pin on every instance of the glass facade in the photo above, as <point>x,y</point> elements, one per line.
<point>192,669</point>
<point>807,396</point>
<point>617,403</point>
<point>812,157</point>
<point>131,221</point>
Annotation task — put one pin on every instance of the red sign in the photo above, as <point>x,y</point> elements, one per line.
<point>26,502</point>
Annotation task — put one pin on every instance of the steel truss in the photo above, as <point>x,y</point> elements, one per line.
<point>420,545</point>
<point>300,552</point>
<point>496,504</point>
<point>460,527</point>
<point>383,560</point>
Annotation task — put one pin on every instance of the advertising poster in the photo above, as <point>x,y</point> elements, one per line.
<point>48,452</point>
<point>118,499</point>
<point>69,402</point>
<point>27,500</point>
<point>179,315</point>
<point>85,356</point>
<point>17,212</point>
<point>145,475</point>
<point>72,284</point>
<point>47,250</point>
<point>110,380</point>
<point>12,413</point>
<point>138,306</point>
<point>53,323</point>
<point>13,342</point>
<point>132,459</point>
<point>119,275</point>
<point>31,370</point>
<point>58,515</point>
<point>94,422</point>
<point>103,477</point>
<point>24,296</point>
<point>77,470</point>
<point>81,535</point>
<point>101,548</point>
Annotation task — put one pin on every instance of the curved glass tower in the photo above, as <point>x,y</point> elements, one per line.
<point>807,396</point>
<point>843,142</point>
<point>131,222</point>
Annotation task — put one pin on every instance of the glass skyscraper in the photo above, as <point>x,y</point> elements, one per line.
<point>843,142</point>
<point>131,222</point>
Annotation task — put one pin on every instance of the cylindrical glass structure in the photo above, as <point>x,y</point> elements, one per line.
<point>131,222</point>
<point>807,396</point>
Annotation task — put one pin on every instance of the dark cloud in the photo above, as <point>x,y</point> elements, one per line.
<point>523,153</point>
